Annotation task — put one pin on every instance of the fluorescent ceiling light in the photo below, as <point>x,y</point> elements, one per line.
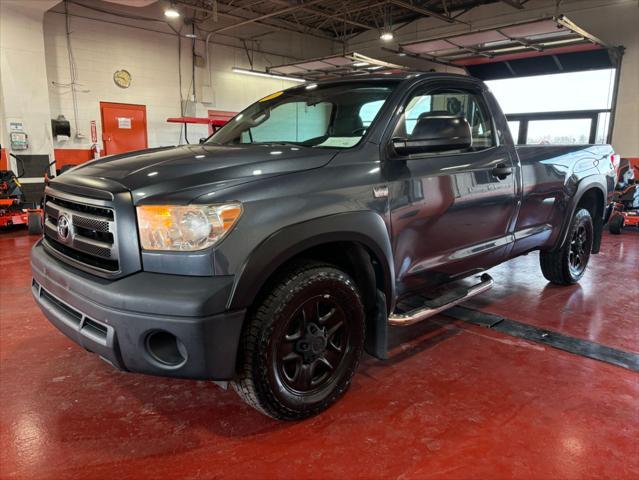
<point>510,49</point>
<point>255,73</point>
<point>171,12</point>
<point>560,42</point>
<point>190,35</point>
<point>360,64</point>
<point>496,43</point>
<point>387,36</point>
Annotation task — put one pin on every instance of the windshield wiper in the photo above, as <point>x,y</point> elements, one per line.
<point>277,143</point>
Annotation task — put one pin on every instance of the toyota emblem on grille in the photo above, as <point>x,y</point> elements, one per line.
<point>63,227</point>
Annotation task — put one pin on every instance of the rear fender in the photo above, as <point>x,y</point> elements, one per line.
<point>594,181</point>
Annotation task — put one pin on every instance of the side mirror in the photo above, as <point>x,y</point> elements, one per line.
<point>436,133</point>
<point>203,139</point>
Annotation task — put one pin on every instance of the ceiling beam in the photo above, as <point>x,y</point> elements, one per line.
<point>424,11</point>
<point>268,15</point>
<point>281,25</point>
<point>341,19</point>
<point>514,3</point>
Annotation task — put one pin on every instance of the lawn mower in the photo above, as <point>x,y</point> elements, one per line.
<point>13,208</point>
<point>625,204</point>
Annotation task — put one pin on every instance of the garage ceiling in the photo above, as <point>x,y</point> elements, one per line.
<point>330,19</point>
<point>509,42</point>
<point>540,46</point>
<point>536,47</point>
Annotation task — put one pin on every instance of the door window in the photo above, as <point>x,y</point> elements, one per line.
<point>468,105</point>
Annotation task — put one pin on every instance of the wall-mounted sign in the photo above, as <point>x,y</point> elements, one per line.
<point>18,141</point>
<point>18,138</point>
<point>124,122</point>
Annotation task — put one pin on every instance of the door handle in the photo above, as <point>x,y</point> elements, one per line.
<point>501,171</point>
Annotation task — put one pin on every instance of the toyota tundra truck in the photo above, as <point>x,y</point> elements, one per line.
<point>276,251</point>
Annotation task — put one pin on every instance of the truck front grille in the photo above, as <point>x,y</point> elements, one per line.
<point>82,232</point>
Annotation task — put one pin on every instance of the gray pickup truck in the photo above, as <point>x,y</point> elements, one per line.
<point>276,251</point>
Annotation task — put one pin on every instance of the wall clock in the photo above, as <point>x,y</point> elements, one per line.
<point>122,78</point>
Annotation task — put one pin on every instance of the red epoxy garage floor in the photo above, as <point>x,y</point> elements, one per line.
<point>456,401</point>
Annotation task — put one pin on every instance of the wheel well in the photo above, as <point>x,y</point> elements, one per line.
<point>368,272</point>
<point>351,257</point>
<point>593,201</point>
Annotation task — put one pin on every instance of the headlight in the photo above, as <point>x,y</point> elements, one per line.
<point>185,228</point>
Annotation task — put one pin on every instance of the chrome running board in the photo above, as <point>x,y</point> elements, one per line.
<point>422,313</point>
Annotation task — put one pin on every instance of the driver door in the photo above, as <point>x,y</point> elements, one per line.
<point>450,213</point>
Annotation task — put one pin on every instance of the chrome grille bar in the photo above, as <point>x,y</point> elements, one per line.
<point>82,232</point>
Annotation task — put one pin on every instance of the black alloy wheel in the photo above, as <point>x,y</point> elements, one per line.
<point>580,245</point>
<point>302,343</point>
<point>566,265</point>
<point>312,346</point>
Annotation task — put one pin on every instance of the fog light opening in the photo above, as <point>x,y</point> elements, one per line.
<point>166,348</point>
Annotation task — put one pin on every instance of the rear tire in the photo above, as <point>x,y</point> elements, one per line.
<point>567,265</point>
<point>616,224</point>
<point>34,224</point>
<point>302,344</point>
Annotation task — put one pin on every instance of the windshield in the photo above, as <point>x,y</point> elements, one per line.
<point>332,116</point>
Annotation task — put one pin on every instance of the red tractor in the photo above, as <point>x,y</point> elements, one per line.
<point>13,209</point>
<point>625,205</point>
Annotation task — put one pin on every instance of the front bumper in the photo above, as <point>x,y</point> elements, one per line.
<point>116,319</point>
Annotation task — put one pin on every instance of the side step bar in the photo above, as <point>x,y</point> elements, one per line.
<point>422,313</point>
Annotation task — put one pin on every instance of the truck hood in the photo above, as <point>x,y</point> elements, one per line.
<point>181,174</point>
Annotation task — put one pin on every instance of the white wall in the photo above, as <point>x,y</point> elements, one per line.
<point>100,48</point>
<point>23,89</point>
<point>613,21</point>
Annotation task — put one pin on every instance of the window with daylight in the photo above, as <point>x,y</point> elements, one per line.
<point>565,108</point>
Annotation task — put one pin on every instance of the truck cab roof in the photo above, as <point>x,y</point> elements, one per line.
<point>394,75</point>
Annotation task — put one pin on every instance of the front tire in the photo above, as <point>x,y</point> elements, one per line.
<point>302,344</point>
<point>567,265</point>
